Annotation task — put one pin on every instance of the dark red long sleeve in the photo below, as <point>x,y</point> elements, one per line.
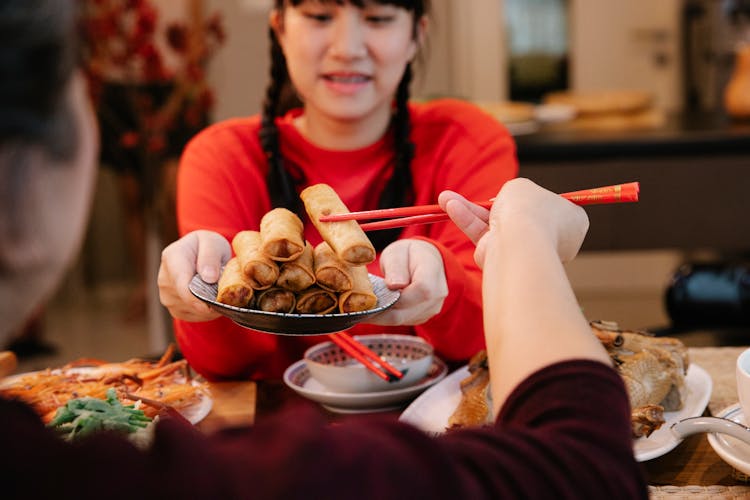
<point>563,433</point>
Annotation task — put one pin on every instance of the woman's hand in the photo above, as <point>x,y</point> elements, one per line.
<point>415,268</point>
<point>204,252</point>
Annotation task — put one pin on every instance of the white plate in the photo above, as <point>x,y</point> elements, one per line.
<point>294,324</point>
<point>298,378</point>
<point>662,440</point>
<point>431,410</point>
<point>730,449</point>
<point>200,409</point>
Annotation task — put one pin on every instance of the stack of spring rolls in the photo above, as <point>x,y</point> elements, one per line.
<point>277,270</point>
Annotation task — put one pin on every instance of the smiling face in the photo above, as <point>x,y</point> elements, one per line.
<point>345,61</point>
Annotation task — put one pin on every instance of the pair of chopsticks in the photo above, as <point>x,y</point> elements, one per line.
<point>366,356</point>
<point>426,214</point>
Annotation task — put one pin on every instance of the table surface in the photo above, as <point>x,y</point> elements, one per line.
<point>692,469</point>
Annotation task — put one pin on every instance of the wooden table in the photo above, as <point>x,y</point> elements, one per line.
<point>692,469</point>
<point>233,405</point>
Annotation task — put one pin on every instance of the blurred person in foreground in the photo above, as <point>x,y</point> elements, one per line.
<point>563,423</point>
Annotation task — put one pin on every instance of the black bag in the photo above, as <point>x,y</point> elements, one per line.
<point>709,295</point>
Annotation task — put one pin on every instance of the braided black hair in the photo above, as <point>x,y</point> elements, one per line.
<point>280,98</point>
<point>281,186</point>
<point>398,191</point>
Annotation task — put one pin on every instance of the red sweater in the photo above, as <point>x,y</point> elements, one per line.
<point>564,433</point>
<point>221,186</point>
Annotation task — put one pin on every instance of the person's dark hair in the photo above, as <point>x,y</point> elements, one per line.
<point>37,60</point>
<point>280,98</point>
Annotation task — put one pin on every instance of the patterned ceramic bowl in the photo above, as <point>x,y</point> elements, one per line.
<point>338,371</point>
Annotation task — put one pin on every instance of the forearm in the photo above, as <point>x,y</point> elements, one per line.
<point>535,319</point>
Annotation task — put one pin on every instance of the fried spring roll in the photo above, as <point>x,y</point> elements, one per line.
<point>276,299</point>
<point>331,273</point>
<point>346,238</point>
<point>259,269</point>
<point>361,297</point>
<point>281,235</point>
<point>297,275</point>
<point>315,300</point>
<point>233,288</point>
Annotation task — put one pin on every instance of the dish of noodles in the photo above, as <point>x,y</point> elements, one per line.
<point>152,385</point>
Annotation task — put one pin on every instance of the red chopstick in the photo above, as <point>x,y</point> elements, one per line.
<point>367,357</point>
<point>405,221</point>
<point>426,214</point>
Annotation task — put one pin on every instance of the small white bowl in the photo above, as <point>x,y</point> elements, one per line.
<point>338,371</point>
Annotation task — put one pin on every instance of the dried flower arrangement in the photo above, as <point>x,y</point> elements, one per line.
<point>120,47</point>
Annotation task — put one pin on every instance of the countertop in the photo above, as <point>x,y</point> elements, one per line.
<point>693,172</point>
<point>682,134</point>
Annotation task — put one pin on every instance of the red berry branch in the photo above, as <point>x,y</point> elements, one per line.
<point>120,43</point>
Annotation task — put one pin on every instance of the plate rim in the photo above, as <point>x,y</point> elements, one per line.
<point>717,442</point>
<point>228,311</point>
<point>358,398</point>
<point>698,372</point>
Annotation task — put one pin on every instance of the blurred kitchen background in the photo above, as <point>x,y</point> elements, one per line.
<point>680,141</point>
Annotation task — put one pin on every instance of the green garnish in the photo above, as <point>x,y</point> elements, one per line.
<point>84,416</point>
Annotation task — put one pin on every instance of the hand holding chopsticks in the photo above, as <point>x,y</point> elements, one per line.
<point>367,357</point>
<point>426,214</point>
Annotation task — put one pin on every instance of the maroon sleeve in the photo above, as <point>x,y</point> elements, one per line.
<point>555,438</point>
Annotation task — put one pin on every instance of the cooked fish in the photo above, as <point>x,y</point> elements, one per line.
<point>653,369</point>
<point>475,407</point>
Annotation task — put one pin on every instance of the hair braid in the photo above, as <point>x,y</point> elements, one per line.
<point>398,191</point>
<point>280,184</point>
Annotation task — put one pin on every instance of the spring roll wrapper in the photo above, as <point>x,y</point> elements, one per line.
<point>346,238</point>
<point>233,288</point>
<point>361,297</point>
<point>259,269</point>
<point>331,273</point>
<point>281,235</point>
<point>276,299</point>
<point>297,275</point>
<point>315,300</point>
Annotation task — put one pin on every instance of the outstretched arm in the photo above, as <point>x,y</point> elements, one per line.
<point>531,316</point>
<point>202,252</point>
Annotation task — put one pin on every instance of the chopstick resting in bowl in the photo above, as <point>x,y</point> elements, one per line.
<point>426,214</point>
<point>366,356</point>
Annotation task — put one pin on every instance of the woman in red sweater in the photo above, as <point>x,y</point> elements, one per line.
<point>350,65</point>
